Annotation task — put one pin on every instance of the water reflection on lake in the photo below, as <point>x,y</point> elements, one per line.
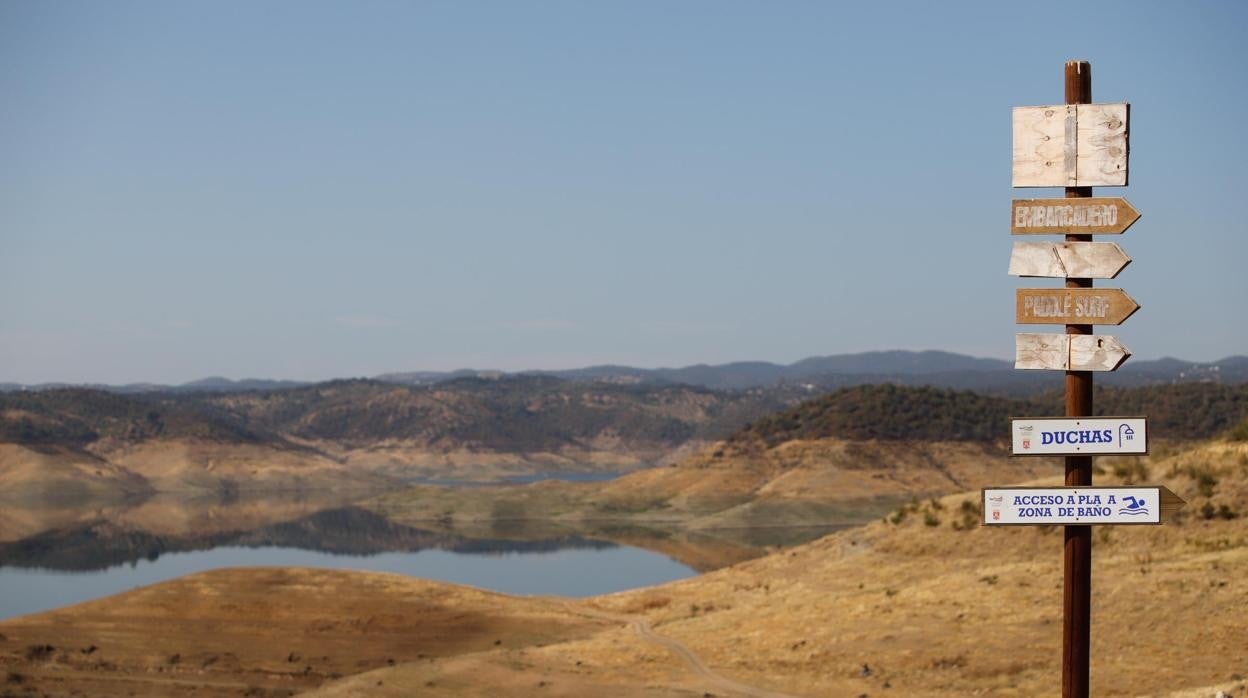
<point>51,556</point>
<point>568,571</point>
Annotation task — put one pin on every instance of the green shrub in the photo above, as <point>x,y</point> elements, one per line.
<point>1239,432</point>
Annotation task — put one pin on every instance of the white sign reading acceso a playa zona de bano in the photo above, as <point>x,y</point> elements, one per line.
<point>1077,505</point>
<point>1040,436</point>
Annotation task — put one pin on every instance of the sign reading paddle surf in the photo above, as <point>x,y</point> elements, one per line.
<point>1070,306</point>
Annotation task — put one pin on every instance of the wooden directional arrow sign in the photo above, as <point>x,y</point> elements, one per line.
<point>1079,436</point>
<point>1073,306</point>
<point>1071,145</point>
<point>1068,260</point>
<point>1078,506</point>
<point>1071,216</point>
<point>1069,352</point>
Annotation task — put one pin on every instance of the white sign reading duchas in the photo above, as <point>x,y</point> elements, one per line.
<point>1056,506</point>
<point>1077,436</point>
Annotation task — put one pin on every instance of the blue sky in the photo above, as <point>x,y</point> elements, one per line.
<point>316,189</point>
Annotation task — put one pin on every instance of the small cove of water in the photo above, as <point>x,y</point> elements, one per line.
<point>56,555</point>
<point>517,479</point>
<point>576,571</point>
<point>53,555</point>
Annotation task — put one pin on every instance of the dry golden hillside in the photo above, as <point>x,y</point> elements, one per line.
<point>63,474</point>
<point>922,603</point>
<point>927,603</point>
<point>811,482</point>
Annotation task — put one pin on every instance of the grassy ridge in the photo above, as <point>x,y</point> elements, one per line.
<point>76,417</point>
<point>521,414</point>
<point>513,414</point>
<point>539,413</point>
<point>893,412</point>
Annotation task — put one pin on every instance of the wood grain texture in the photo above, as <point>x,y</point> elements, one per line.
<point>1077,540</point>
<point>1063,352</point>
<point>1071,145</point>
<point>1170,503</point>
<point>1096,352</point>
<point>1041,148</point>
<point>1073,306</point>
<point>1041,351</point>
<point>1101,145</point>
<point>1061,260</point>
<point>1102,215</point>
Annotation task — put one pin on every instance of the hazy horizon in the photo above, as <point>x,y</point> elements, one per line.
<point>522,369</point>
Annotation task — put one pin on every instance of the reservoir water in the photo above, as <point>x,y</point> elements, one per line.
<point>53,555</point>
<point>575,570</point>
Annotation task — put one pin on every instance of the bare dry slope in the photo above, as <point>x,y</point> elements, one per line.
<point>265,632</point>
<point>185,465</point>
<point>933,606</point>
<point>54,473</point>
<point>925,603</point>
<point>821,481</point>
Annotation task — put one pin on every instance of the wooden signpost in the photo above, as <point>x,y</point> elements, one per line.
<point>1077,145</point>
<point>1067,306</point>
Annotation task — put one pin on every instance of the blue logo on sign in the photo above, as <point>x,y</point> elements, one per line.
<point>1134,507</point>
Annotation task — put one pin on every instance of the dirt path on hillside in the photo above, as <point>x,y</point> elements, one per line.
<point>642,627</point>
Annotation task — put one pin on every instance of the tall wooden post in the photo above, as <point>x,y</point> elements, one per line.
<point>1077,574</point>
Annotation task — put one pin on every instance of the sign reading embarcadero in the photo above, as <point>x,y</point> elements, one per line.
<point>1071,216</point>
<point>1065,215</point>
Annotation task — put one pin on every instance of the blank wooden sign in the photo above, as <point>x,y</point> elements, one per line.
<point>1071,145</point>
<point>1071,260</point>
<point>1068,352</point>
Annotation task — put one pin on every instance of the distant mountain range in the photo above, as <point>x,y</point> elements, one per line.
<point>213,384</point>
<point>814,374</point>
<point>824,373</point>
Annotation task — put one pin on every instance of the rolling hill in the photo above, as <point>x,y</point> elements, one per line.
<point>836,459</point>
<point>821,373</point>
<point>362,431</point>
<point>485,428</point>
<point>922,602</point>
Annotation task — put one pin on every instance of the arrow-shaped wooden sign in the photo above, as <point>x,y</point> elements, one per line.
<point>1056,506</point>
<point>1102,215</point>
<point>1068,352</point>
<point>1073,306</point>
<point>1068,260</point>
